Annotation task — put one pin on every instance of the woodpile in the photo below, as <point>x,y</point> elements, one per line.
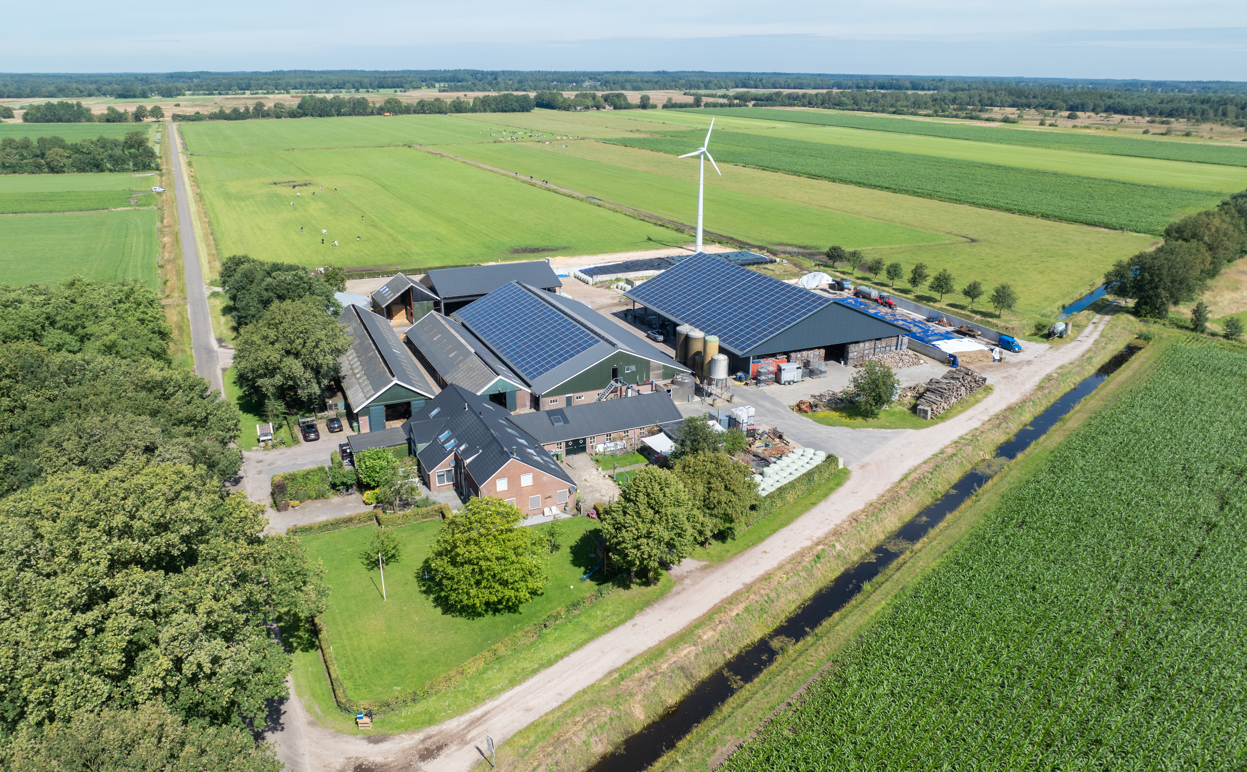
<point>896,359</point>
<point>944,392</point>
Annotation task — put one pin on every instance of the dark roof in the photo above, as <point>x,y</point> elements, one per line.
<point>377,360</point>
<point>454,354</point>
<point>386,293</point>
<point>479,432</point>
<point>742,307</point>
<point>597,418</point>
<point>386,438</point>
<point>478,280</point>
<point>546,338</point>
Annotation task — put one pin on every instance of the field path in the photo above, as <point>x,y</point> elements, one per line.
<point>203,341</point>
<point>455,745</point>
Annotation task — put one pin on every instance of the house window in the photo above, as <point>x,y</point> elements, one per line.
<point>554,402</point>
<point>526,480</point>
<point>561,496</point>
<point>444,477</point>
<point>511,502</point>
<point>630,369</point>
<point>502,484</point>
<point>579,397</point>
<point>534,502</point>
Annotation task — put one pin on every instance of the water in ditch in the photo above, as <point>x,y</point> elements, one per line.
<point>648,745</point>
<point>1083,302</point>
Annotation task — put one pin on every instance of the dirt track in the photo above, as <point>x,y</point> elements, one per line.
<point>455,745</point>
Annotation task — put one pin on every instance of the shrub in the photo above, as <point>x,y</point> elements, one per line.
<point>376,467</point>
<point>303,485</point>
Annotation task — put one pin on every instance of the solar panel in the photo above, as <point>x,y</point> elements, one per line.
<point>533,337</point>
<point>740,306</point>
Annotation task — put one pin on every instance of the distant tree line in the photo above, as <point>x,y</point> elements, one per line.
<point>591,100</point>
<point>174,84</point>
<point>1195,251</point>
<point>53,155</point>
<point>75,112</point>
<point>335,106</point>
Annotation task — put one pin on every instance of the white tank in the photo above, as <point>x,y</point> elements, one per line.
<point>718,367</point>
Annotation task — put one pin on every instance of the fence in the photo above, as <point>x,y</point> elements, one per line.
<point>924,311</point>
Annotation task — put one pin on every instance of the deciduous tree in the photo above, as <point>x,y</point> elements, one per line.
<point>483,562</point>
<point>290,354</point>
<point>1199,317</point>
<point>696,436</point>
<point>722,487</point>
<point>972,292</point>
<point>653,521</point>
<point>875,266</point>
<point>943,283</point>
<point>376,467</point>
<point>387,545</point>
<point>1233,328</point>
<point>1003,298</point>
<point>874,387</point>
<point>895,272</point>
<point>918,276</point>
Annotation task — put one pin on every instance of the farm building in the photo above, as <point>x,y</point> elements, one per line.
<point>466,442</point>
<point>577,429</point>
<point>457,287</point>
<point>451,355</point>
<point>563,352</point>
<point>381,380</point>
<point>403,299</point>
<point>757,320</point>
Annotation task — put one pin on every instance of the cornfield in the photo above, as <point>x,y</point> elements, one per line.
<point>1088,200</point>
<point>1093,620</point>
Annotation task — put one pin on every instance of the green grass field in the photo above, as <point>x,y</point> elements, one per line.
<point>213,137</point>
<point>391,647</point>
<point>1144,171</point>
<point>1065,139</point>
<point>70,132</point>
<point>21,193</point>
<point>1091,619</point>
<point>105,246</point>
<point>1088,200</point>
<point>407,207</point>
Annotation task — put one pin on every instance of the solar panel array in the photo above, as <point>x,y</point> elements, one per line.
<point>741,306</point>
<point>533,337</point>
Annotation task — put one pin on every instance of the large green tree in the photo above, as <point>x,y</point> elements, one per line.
<point>873,387</point>
<point>124,319</point>
<point>290,354</point>
<point>483,562</point>
<point>653,521</point>
<point>943,283</point>
<point>973,291</point>
<point>142,584</point>
<point>722,487</point>
<point>918,276</point>
<point>146,739</point>
<point>253,285</point>
<point>697,436</point>
<point>1003,298</point>
<point>88,412</point>
<point>1157,280</point>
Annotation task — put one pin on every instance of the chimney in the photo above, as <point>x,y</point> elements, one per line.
<point>465,406</point>
<point>512,451</point>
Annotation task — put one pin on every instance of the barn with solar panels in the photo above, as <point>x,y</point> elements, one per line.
<point>563,352</point>
<point>715,306</point>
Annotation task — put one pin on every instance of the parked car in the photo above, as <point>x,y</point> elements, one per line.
<point>344,450</point>
<point>654,335</point>
<point>308,427</point>
<point>1010,343</point>
<point>334,424</point>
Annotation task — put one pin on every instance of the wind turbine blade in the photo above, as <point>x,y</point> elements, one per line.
<point>698,151</point>
<point>712,163</point>
<point>706,144</point>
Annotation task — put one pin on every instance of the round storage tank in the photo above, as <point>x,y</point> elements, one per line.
<point>681,334</point>
<point>695,362</point>
<point>683,387</point>
<point>709,351</point>
<point>718,366</point>
<point>693,345</point>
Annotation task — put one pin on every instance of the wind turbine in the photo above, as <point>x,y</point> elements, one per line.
<point>703,153</point>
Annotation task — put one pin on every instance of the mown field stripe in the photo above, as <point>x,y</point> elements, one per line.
<point>1102,203</point>
<point>1087,143</point>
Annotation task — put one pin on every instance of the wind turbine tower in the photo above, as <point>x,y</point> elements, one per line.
<point>703,154</point>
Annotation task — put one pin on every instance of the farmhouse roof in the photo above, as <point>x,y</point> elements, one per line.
<point>599,418</point>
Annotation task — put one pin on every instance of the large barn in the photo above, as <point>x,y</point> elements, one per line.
<point>457,287</point>
<point>382,381</point>
<point>757,318</point>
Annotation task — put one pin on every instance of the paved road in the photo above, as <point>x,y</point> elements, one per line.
<point>203,341</point>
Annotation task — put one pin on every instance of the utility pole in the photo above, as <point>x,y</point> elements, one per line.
<point>382,567</point>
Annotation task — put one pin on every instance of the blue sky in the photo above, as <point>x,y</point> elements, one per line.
<point>1040,38</point>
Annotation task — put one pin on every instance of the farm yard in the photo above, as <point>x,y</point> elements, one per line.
<point>1094,605</point>
<point>105,246</point>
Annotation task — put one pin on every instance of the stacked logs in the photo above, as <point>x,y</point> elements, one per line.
<point>944,392</point>
<point>896,359</point>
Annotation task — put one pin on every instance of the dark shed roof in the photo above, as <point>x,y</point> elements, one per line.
<point>386,293</point>
<point>377,360</point>
<point>458,422</point>
<point>386,438</point>
<point>598,418</point>
<point>479,280</point>
<point>455,355</point>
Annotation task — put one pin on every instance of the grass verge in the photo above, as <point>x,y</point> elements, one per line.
<point>574,734</point>
<point>896,416</point>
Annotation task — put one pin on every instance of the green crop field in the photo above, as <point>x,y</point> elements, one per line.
<point>1064,139</point>
<point>400,645</point>
<point>407,207</point>
<point>1088,200</point>
<point>71,192</point>
<point>105,246</point>
<point>70,132</point>
<point>1092,620</point>
<point>1145,171</point>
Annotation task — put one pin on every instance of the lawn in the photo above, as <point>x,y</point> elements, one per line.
<point>1048,263</point>
<point>104,246</point>
<point>1145,208</point>
<point>390,207</point>
<point>1145,171</point>
<point>395,646</point>
<point>608,462</point>
<point>250,439</point>
<point>895,416</point>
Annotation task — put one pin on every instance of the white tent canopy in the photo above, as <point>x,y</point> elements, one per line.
<point>812,280</point>
<point>661,443</point>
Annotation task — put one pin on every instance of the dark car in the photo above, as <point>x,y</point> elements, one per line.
<point>344,450</point>
<point>334,424</point>
<point>310,432</point>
